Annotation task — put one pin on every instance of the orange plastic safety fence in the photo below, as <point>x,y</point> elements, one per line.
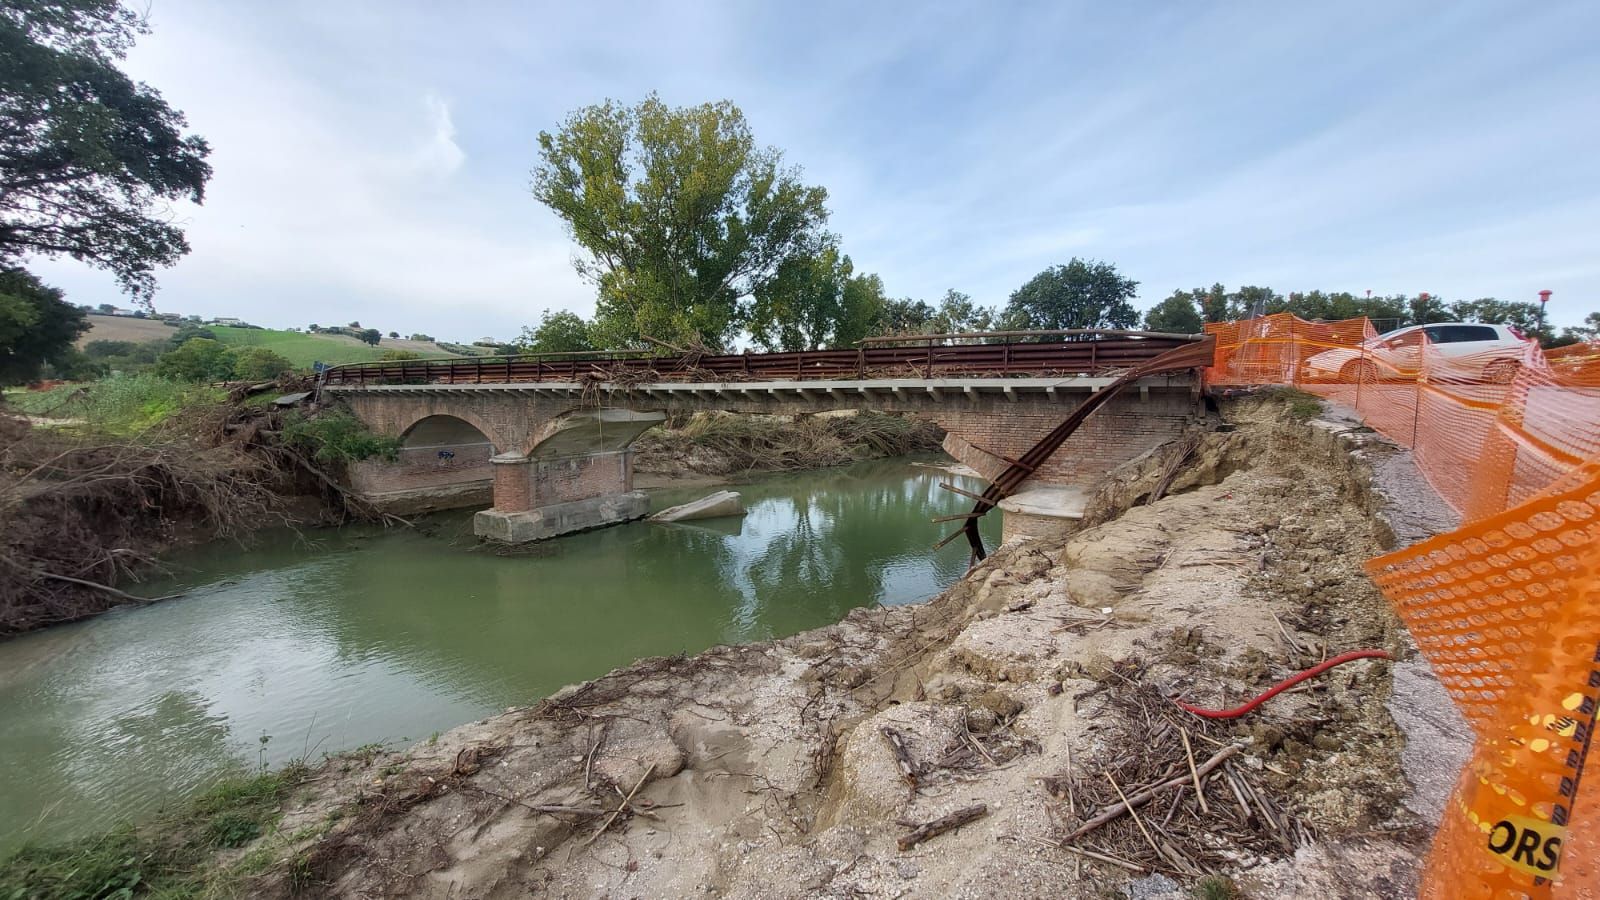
<point>1489,428</point>
<point>1506,609</point>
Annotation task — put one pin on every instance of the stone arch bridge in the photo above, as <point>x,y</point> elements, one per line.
<point>544,441</point>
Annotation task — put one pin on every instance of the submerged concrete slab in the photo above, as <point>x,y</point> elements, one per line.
<point>712,506</point>
<point>560,518</point>
<point>1047,511</point>
<point>1056,501</point>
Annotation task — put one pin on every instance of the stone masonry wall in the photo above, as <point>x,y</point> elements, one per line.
<point>1121,430</point>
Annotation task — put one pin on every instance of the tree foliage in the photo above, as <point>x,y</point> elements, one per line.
<point>1080,294</point>
<point>815,302</point>
<point>199,360</point>
<point>904,316</point>
<point>88,158</point>
<point>1178,314</point>
<point>36,326</point>
<point>370,336</point>
<point>681,216</point>
<point>560,331</point>
<point>259,364</point>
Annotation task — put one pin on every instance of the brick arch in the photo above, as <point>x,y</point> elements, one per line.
<point>443,429</point>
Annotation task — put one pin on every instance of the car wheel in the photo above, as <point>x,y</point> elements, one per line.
<point>1359,371</point>
<point>1502,371</point>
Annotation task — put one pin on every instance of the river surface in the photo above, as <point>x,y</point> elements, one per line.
<point>327,640</point>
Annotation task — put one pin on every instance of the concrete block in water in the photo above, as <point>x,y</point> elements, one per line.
<point>711,506</point>
<point>560,518</point>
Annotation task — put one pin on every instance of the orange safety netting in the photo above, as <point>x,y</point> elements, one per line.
<point>1505,609</point>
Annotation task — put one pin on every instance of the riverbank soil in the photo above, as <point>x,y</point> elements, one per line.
<point>1016,708</point>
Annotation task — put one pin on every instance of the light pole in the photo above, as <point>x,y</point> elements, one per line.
<point>1544,297</point>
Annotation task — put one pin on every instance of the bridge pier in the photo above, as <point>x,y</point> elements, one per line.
<point>557,466</point>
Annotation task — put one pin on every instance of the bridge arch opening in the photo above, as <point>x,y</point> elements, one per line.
<point>444,432</point>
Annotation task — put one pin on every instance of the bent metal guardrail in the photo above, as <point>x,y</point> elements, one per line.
<point>1095,351</point>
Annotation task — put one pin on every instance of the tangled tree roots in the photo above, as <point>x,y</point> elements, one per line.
<point>83,512</point>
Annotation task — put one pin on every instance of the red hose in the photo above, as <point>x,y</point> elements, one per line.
<point>1284,685</point>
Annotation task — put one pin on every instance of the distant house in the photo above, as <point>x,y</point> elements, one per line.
<point>226,320</point>
<point>119,311</point>
<point>169,317</point>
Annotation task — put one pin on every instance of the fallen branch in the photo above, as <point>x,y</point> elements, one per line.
<point>940,825</point>
<point>622,806</point>
<point>902,757</point>
<point>123,595</point>
<point>1116,810</point>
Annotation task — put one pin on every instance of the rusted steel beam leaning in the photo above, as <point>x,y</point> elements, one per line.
<point>1190,356</point>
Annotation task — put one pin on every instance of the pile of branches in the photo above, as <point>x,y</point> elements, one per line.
<point>725,443</point>
<point>1151,756</point>
<point>83,513</point>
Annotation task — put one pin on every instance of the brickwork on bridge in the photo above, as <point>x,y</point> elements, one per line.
<point>1125,428</point>
<point>537,464</point>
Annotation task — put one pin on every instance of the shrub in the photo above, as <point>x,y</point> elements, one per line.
<point>393,355</point>
<point>259,364</point>
<point>336,436</point>
<point>199,359</point>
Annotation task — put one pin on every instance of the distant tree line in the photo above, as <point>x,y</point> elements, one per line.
<point>1186,311</point>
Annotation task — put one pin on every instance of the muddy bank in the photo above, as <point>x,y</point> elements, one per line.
<point>87,513</point>
<point>1036,689</point>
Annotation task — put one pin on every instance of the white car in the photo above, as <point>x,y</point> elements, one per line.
<point>1488,352</point>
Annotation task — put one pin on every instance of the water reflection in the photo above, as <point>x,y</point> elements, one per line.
<point>331,640</point>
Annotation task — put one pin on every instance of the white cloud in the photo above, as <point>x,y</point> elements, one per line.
<point>439,153</point>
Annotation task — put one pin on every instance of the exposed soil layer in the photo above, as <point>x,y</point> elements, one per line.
<point>1021,702</point>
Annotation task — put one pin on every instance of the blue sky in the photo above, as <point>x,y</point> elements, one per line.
<point>372,159</point>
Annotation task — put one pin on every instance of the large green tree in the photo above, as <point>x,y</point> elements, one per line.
<point>557,332</point>
<point>1080,294</point>
<point>36,326</point>
<point>89,159</point>
<point>681,216</point>
<point>1178,314</point>
<point>815,302</point>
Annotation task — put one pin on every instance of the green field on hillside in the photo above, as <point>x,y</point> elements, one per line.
<point>305,349</point>
<point>300,349</point>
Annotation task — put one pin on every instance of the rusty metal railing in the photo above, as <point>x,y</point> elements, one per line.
<point>914,356</point>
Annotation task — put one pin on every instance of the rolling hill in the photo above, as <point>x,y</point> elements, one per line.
<point>300,349</point>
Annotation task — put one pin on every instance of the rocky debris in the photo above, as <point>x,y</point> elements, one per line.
<point>716,505</point>
<point>1038,688</point>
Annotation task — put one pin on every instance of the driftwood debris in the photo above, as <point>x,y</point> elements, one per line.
<point>902,757</point>
<point>1144,796</point>
<point>940,825</point>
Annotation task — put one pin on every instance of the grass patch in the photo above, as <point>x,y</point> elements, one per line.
<point>168,857</point>
<point>121,404</point>
<point>1216,887</point>
<point>305,349</point>
<point>1302,405</point>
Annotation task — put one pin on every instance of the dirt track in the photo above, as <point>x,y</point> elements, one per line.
<point>1037,687</point>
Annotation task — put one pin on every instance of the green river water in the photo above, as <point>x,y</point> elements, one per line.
<point>312,643</point>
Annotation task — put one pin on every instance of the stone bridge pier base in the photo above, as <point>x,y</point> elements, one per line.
<point>580,476</point>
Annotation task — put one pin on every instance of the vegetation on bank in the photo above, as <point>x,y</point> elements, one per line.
<point>118,405</point>
<point>172,856</point>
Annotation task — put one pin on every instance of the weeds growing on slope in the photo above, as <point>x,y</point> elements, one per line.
<point>167,857</point>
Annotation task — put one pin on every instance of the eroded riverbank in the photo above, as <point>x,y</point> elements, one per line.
<point>1027,689</point>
